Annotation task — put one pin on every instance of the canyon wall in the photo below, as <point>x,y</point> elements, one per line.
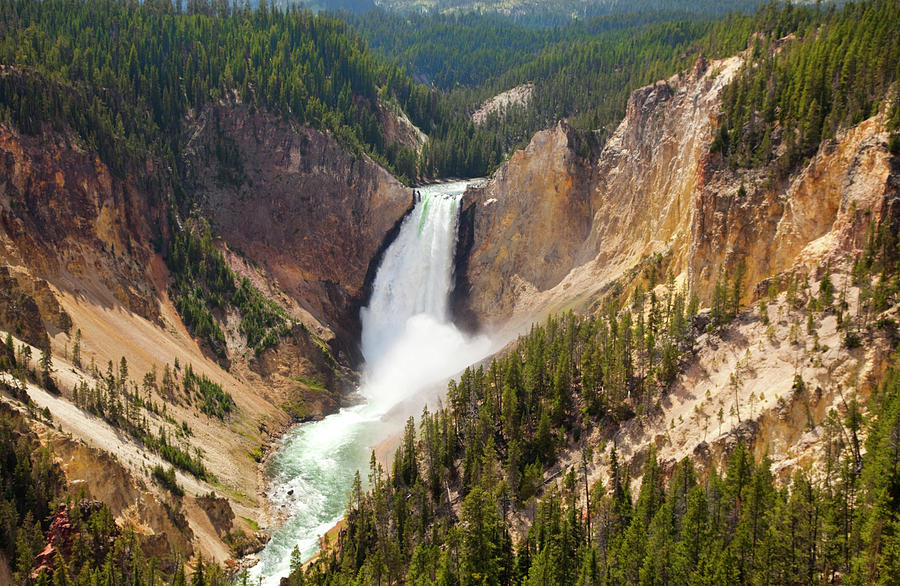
<point>82,261</point>
<point>67,218</point>
<point>558,226</point>
<point>291,200</point>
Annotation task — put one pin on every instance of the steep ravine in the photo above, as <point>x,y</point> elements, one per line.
<point>559,226</point>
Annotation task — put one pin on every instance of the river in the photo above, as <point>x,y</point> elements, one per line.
<point>410,346</point>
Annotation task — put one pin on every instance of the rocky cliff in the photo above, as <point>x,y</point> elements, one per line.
<point>562,226</point>
<point>557,225</point>
<point>524,229</point>
<point>83,271</point>
<point>66,218</point>
<point>292,201</point>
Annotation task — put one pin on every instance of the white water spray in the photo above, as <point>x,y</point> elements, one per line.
<point>409,346</point>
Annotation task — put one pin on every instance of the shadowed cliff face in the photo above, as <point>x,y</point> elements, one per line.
<point>291,200</point>
<point>302,219</point>
<point>555,226</point>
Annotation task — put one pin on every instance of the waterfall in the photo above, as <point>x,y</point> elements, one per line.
<point>410,348</point>
<point>416,275</point>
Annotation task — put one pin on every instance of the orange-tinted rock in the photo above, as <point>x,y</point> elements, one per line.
<point>61,536</point>
<point>65,218</point>
<point>556,226</point>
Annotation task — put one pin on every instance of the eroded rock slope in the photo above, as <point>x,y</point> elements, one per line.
<point>558,225</point>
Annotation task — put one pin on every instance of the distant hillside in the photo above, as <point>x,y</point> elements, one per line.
<point>550,12</point>
<point>535,13</point>
<point>358,6</point>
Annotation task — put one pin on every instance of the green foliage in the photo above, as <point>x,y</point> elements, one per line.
<point>583,73</point>
<point>834,69</point>
<point>543,14</point>
<point>46,365</point>
<point>826,290</point>
<point>880,479</point>
<point>726,297</point>
<point>98,551</point>
<point>503,424</point>
<point>99,67</point>
<point>29,482</point>
<point>124,75</point>
<point>471,49</point>
<point>94,550</point>
<point>736,528</point>
<point>473,470</point>
<point>894,143</point>
<point>202,283</point>
<point>877,274</point>
<point>213,400</point>
<point>116,399</point>
<point>166,479</point>
<point>181,459</point>
<point>263,322</point>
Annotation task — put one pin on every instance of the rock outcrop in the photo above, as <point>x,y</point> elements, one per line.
<point>65,217</point>
<point>820,214</point>
<point>19,312</point>
<point>557,226</point>
<point>61,537</point>
<point>523,230</point>
<point>291,200</point>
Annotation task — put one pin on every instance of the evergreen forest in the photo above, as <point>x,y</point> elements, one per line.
<point>97,66</point>
<point>125,78</point>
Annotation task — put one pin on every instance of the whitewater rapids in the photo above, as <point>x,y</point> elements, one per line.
<point>410,347</point>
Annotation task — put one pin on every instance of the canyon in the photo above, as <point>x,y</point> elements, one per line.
<point>557,226</point>
<point>567,223</point>
<point>83,253</point>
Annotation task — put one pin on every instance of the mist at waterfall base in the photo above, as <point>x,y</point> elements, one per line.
<point>411,348</point>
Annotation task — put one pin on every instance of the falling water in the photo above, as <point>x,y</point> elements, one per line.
<point>410,346</point>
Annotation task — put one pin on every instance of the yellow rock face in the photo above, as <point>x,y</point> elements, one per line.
<point>586,222</point>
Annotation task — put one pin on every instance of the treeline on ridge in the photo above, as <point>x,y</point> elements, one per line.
<point>542,14</point>
<point>811,74</point>
<point>838,66</point>
<point>124,75</point>
<point>583,72</point>
<point>100,66</point>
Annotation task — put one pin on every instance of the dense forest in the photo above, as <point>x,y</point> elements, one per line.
<point>808,77</point>
<point>101,66</point>
<point>544,13</point>
<point>124,77</point>
<point>836,68</point>
<point>449,509</point>
<point>472,49</point>
<point>583,71</point>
